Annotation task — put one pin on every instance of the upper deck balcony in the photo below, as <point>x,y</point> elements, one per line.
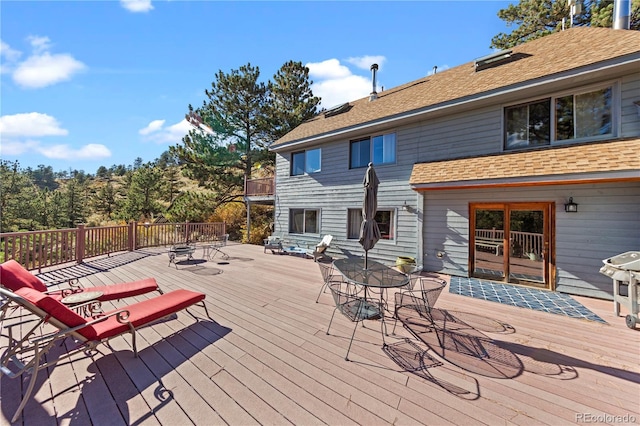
<point>260,190</point>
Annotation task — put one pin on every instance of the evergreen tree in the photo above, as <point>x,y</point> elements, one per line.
<point>537,18</point>
<point>291,100</point>
<point>143,193</point>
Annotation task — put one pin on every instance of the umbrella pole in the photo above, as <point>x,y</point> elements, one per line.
<point>366,256</point>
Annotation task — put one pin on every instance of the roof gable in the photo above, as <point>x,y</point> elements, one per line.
<point>580,46</point>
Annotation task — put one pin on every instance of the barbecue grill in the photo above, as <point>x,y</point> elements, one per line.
<point>624,269</point>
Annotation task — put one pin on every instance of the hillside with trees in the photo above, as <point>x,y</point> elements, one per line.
<point>198,180</point>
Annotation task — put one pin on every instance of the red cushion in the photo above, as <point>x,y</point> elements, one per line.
<point>56,309</point>
<point>13,276</point>
<point>122,290</point>
<point>147,311</point>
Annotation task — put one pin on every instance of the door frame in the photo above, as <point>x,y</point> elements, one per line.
<point>549,257</point>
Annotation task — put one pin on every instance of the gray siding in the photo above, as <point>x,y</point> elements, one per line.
<point>630,111</point>
<point>607,223</point>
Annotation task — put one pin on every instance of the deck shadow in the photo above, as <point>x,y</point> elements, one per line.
<point>462,345</point>
<point>413,359</point>
<point>80,270</point>
<point>124,375</point>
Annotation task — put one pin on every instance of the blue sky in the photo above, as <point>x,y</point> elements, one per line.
<point>91,83</point>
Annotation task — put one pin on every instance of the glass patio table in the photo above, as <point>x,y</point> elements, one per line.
<point>376,275</point>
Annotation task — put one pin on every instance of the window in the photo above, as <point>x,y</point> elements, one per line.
<point>574,116</point>
<point>305,162</point>
<point>584,115</point>
<point>528,125</point>
<point>377,150</point>
<point>384,218</point>
<point>303,221</point>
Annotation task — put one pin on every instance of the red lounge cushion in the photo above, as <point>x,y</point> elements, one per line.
<point>123,290</point>
<point>13,276</point>
<point>147,311</point>
<point>56,310</point>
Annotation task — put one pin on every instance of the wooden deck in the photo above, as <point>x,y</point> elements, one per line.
<point>265,358</point>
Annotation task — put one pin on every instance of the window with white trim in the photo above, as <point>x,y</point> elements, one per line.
<point>581,115</point>
<point>379,149</point>
<point>305,162</point>
<point>304,221</point>
<point>384,218</point>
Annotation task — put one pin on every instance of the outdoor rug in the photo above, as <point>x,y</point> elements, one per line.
<point>523,297</point>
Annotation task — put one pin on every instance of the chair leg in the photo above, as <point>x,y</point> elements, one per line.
<point>324,286</point>
<point>32,382</point>
<point>346,357</point>
<point>331,320</point>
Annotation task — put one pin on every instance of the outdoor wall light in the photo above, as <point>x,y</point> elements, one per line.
<point>571,207</point>
<point>405,206</point>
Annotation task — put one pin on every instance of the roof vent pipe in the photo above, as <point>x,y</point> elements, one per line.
<point>621,14</point>
<point>373,95</point>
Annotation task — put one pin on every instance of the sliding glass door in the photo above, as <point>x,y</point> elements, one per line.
<point>511,242</point>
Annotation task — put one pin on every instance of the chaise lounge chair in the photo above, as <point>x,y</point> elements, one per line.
<point>14,276</point>
<point>319,250</point>
<point>24,354</point>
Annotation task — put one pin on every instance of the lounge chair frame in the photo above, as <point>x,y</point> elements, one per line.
<point>23,355</point>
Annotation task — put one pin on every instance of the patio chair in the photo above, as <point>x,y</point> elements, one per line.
<point>354,307</point>
<point>25,353</point>
<point>211,249</point>
<point>273,243</point>
<point>14,276</point>
<point>328,277</point>
<point>410,304</point>
<point>319,250</point>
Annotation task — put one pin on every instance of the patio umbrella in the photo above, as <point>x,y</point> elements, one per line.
<point>369,232</point>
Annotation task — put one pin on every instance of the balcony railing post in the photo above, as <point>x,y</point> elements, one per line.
<point>131,233</point>
<point>80,242</point>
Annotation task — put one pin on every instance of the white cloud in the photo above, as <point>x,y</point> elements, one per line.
<point>45,69</point>
<point>158,133</point>
<point>365,62</point>
<point>30,124</point>
<point>39,44</point>
<point>154,126</point>
<point>92,151</point>
<point>19,130</point>
<point>42,68</point>
<point>336,84</point>
<point>8,57</point>
<point>12,147</point>
<point>8,53</point>
<point>137,5</point>
<point>331,68</point>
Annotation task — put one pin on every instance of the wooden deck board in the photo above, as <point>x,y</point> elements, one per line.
<point>264,358</point>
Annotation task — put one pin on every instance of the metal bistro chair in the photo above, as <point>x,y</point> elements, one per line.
<point>354,307</point>
<point>420,301</point>
<point>328,277</point>
<point>211,249</point>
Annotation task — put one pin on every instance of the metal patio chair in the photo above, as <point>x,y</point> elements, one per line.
<point>417,303</point>
<point>356,308</point>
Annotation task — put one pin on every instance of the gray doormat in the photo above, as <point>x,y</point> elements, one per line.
<point>523,297</point>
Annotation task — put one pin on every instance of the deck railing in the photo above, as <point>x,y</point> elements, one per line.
<point>261,186</point>
<point>522,243</point>
<point>41,249</point>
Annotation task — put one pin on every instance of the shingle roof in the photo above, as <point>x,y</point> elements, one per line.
<point>556,53</point>
<point>560,162</point>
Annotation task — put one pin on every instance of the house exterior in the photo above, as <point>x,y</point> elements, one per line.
<point>477,163</point>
